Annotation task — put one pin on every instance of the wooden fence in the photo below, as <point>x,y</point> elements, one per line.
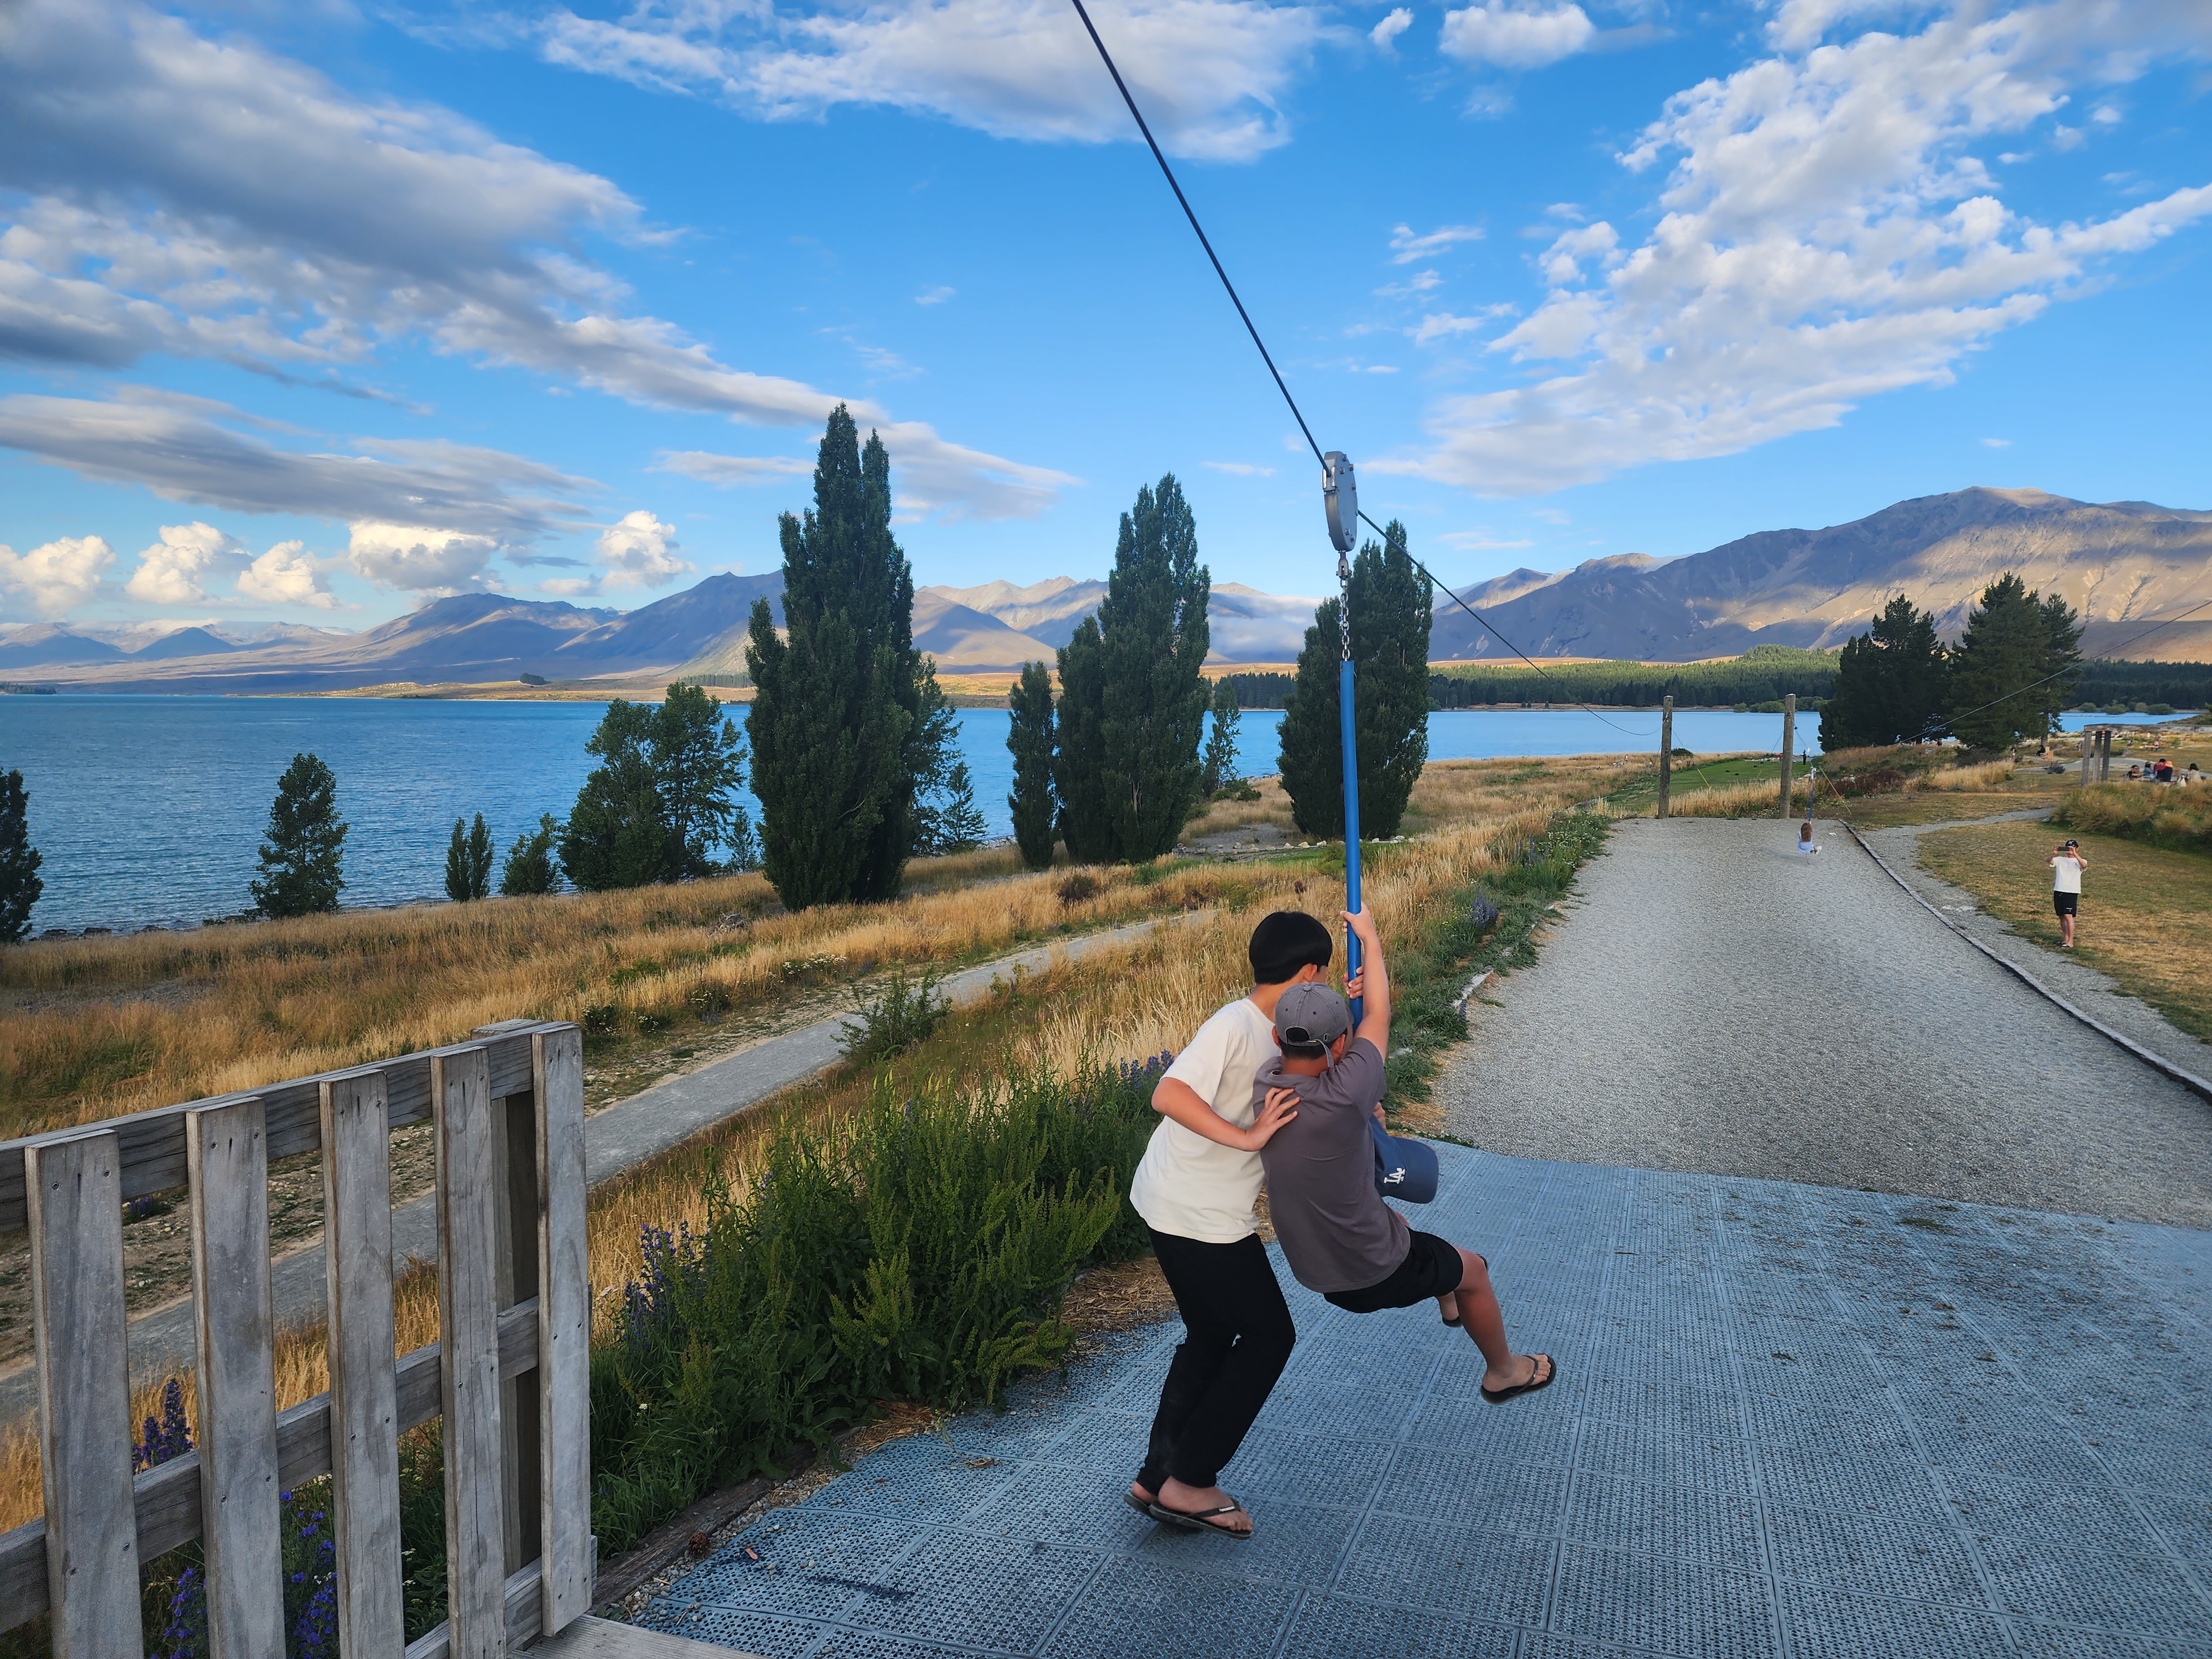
<point>509,1373</point>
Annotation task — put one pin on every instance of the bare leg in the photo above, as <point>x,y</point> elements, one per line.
<point>2066,926</point>
<point>1486,1322</point>
<point>1447,1307</point>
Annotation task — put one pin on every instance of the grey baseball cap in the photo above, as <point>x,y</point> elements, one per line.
<point>1311,1012</point>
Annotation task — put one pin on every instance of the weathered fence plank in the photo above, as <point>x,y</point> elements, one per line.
<point>364,1408</point>
<point>470,1188</point>
<point>91,1542</point>
<point>235,1364</point>
<point>565,1347</point>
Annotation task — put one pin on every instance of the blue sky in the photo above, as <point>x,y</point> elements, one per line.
<point>308,313</point>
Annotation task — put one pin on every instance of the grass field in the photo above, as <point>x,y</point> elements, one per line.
<point>2144,909</point>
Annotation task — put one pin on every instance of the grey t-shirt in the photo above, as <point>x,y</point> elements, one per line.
<point>1335,1231</point>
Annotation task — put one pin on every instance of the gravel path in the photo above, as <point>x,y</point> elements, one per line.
<point>1713,1002</point>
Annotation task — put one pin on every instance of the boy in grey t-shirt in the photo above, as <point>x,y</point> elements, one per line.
<point>1337,1235</point>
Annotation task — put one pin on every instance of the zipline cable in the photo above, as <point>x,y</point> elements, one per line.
<point>1160,157</point>
<point>1950,719</point>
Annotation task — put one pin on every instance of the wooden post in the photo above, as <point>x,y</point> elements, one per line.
<point>2104,762</point>
<point>472,1193</point>
<point>564,1327</point>
<point>364,1406</point>
<point>1789,743</point>
<point>226,1151</point>
<point>1666,752</point>
<point>74,1189</point>
<point>2089,742</point>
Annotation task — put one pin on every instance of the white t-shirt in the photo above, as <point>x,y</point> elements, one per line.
<point>2066,874</point>
<point>1187,1185</point>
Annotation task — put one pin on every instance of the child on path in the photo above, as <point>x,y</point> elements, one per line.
<point>2067,865</point>
<point>1195,1190</point>
<point>1337,1235</point>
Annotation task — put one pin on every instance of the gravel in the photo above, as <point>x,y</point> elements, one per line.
<point>1716,1003</point>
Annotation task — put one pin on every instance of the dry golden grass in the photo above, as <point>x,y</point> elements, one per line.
<point>2144,909</point>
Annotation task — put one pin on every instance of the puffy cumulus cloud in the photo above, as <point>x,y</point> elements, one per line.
<point>639,551</point>
<point>1509,38</point>
<point>187,449</point>
<point>287,574</point>
<point>1385,33</point>
<point>1825,232</point>
<point>414,560</point>
<point>174,569</point>
<point>58,576</point>
<point>1211,74</point>
<point>168,192</point>
<point>726,470</point>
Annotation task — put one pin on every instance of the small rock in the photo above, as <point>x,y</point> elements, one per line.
<point>699,1543</point>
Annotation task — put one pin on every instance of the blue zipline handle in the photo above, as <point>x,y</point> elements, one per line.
<point>1351,825</point>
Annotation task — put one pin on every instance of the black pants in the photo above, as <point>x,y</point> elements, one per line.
<point>1237,1340</point>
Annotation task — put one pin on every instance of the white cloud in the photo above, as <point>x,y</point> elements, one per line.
<point>1825,234</point>
<point>1242,469</point>
<point>1420,282</point>
<point>1385,33</point>
<point>1211,74</point>
<point>1408,248</point>
<point>934,296</point>
<point>1997,443</point>
<point>1513,38</point>
<point>174,569</point>
<point>287,574</point>
<point>58,576</point>
<point>177,449</point>
<point>728,469</point>
<point>413,559</point>
<point>1444,325</point>
<point>639,551</point>
<point>177,194</point>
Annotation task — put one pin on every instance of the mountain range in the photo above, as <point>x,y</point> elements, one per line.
<point>2124,565</point>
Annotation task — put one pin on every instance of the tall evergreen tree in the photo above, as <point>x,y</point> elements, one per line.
<point>1219,768</point>
<point>302,860</point>
<point>614,836</point>
<point>2012,641</point>
<point>20,886</point>
<point>1891,682</point>
<point>835,716</point>
<point>1392,610</point>
<point>1133,672</point>
<point>698,766</point>
<point>529,867</point>
<point>946,818</point>
<point>468,862</point>
<point>1030,737</point>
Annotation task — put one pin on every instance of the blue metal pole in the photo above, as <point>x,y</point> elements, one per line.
<point>1351,816</point>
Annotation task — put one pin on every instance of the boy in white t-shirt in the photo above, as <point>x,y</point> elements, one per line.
<point>1195,1190</point>
<point>2067,865</point>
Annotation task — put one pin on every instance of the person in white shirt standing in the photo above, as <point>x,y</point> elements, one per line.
<point>1195,1190</point>
<point>2067,865</point>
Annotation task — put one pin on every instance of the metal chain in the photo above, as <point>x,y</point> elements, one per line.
<point>1344,603</point>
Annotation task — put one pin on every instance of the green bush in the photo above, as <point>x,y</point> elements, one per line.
<point>2158,814</point>
<point>906,1012</point>
<point>917,1248</point>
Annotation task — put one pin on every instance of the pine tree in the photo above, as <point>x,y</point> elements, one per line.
<point>1391,613</point>
<point>457,864</point>
<point>945,819</point>
<point>301,862</point>
<point>479,857</point>
<point>1030,738</point>
<point>2012,640</point>
<point>614,837</point>
<point>954,822</point>
<point>1890,682</point>
<point>529,867</point>
<point>20,886</point>
<point>697,760</point>
<point>837,700</point>
<point>1217,770</point>
<point>1132,702</point>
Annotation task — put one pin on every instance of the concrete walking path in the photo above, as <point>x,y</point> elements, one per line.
<point>1790,1421</point>
<point>616,1138</point>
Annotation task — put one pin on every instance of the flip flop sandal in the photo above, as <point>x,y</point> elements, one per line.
<point>1454,1323</point>
<point>1200,1519</point>
<point>1135,1502</point>
<point>1499,1396</point>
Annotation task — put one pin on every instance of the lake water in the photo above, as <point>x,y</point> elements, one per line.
<point>147,810</point>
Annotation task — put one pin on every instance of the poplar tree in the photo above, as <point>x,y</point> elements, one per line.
<point>1217,771</point>
<point>1132,702</point>
<point>20,886</point>
<point>1030,738</point>
<point>837,702</point>
<point>302,860</point>
<point>1392,610</point>
<point>468,862</point>
<point>1891,682</point>
<point>2014,638</point>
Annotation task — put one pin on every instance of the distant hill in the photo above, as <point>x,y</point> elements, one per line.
<point>2115,564</point>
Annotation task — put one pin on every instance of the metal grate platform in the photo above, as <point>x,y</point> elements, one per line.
<point>1791,1422</point>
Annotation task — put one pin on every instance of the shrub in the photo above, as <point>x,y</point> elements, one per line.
<point>602,1019</point>
<point>2178,819</point>
<point>1077,889</point>
<point>907,1012</point>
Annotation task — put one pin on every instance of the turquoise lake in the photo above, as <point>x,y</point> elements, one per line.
<point>147,810</point>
